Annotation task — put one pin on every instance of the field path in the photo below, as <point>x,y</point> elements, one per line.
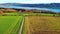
<point>20,31</point>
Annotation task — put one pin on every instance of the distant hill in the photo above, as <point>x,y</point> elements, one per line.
<point>51,5</point>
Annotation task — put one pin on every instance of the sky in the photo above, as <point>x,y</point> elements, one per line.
<point>30,1</point>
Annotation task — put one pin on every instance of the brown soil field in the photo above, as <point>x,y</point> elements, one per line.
<point>42,25</point>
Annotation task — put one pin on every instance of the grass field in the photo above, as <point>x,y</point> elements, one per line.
<point>41,25</point>
<point>10,24</point>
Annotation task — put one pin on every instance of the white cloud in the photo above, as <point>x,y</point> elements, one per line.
<point>30,1</point>
<point>40,1</point>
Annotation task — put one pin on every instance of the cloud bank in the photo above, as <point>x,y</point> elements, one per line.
<point>30,1</point>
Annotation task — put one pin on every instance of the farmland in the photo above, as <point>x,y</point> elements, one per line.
<point>41,25</point>
<point>23,21</point>
<point>34,23</point>
<point>10,24</point>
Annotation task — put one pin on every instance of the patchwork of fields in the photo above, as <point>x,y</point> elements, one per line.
<point>10,24</point>
<point>41,25</point>
<point>33,24</point>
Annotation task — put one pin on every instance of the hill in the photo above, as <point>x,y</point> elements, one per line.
<point>51,5</point>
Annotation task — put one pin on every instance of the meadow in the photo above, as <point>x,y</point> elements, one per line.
<point>41,25</point>
<point>10,24</point>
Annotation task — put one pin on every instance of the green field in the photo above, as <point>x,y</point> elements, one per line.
<point>10,24</point>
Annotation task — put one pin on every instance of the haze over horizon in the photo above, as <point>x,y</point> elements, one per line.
<point>30,1</point>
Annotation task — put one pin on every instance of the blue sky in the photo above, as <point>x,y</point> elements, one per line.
<point>30,1</point>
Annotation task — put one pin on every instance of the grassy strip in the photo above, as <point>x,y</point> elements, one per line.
<point>28,14</point>
<point>40,14</point>
<point>17,26</point>
<point>24,30</point>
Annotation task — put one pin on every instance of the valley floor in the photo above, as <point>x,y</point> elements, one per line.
<point>33,23</point>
